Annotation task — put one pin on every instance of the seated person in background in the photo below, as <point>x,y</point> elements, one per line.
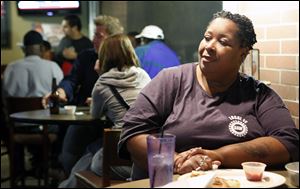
<point>76,88</point>
<point>154,54</point>
<point>31,76</point>
<point>118,68</point>
<point>217,114</point>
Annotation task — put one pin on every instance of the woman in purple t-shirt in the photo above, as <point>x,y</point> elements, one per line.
<point>218,115</point>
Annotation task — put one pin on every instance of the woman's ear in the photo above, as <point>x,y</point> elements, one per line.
<point>244,54</point>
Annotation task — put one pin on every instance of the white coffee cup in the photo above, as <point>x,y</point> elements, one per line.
<point>70,109</point>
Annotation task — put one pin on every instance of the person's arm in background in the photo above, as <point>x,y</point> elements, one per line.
<point>69,84</point>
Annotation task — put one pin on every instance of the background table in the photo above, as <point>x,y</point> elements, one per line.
<point>44,118</point>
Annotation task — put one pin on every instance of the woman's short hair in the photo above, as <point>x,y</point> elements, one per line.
<point>246,31</point>
<point>112,24</point>
<point>116,51</point>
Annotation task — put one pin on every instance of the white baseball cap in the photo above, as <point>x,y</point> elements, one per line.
<point>151,32</point>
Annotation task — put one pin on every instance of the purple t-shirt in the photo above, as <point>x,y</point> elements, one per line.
<point>175,100</point>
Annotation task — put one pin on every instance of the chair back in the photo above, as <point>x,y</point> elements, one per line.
<point>88,179</point>
<point>20,104</point>
<point>110,153</point>
<point>19,172</point>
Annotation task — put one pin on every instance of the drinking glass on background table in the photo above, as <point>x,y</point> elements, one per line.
<point>160,149</point>
<point>70,109</point>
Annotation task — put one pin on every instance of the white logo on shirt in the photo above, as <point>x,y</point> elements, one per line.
<point>238,126</point>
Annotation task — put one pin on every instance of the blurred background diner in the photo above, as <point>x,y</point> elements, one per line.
<point>72,43</point>
<point>276,53</point>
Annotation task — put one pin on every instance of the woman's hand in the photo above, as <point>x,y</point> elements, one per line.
<point>179,159</point>
<point>195,159</point>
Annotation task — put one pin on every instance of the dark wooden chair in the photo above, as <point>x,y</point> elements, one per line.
<point>43,139</point>
<point>88,179</point>
<point>4,135</point>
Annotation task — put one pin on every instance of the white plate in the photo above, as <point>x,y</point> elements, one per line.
<point>194,182</point>
<point>269,179</point>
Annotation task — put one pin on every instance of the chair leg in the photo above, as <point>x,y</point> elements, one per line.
<point>46,143</point>
<point>23,174</point>
<point>11,163</point>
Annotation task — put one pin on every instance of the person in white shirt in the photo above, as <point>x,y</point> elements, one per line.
<point>31,76</point>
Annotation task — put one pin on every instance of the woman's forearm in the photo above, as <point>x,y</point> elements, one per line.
<point>137,146</point>
<point>264,149</point>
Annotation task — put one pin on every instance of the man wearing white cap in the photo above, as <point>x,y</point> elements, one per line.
<point>154,54</point>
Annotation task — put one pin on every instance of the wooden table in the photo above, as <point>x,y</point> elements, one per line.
<point>145,182</point>
<point>44,118</point>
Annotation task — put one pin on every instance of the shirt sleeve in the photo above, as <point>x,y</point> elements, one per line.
<point>58,74</point>
<point>277,121</point>
<point>98,101</point>
<point>150,110</point>
<point>71,81</point>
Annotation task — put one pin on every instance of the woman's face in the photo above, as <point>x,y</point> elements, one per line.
<point>220,54</point>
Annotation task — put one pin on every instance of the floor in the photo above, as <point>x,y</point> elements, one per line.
<point>30,180</point>
<point>4,170</point>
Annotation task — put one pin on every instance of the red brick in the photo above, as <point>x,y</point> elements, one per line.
<point>286,92</point>
<point>281,32</point>
<point>269,75</point>
<point>290,47</point>
<point>268,47</point>
<point>296,121</point>
<point>293,107</point>
<point>290,77</point>
<point>282,62</point>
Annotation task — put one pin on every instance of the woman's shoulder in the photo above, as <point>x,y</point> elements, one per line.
<point>247,81</point>
<point>182,68</point>
<point>183,71</point>
<point>173,77</point>
<point>252,85</point>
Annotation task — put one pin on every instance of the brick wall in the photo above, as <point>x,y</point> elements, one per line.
<point>277,28</point>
